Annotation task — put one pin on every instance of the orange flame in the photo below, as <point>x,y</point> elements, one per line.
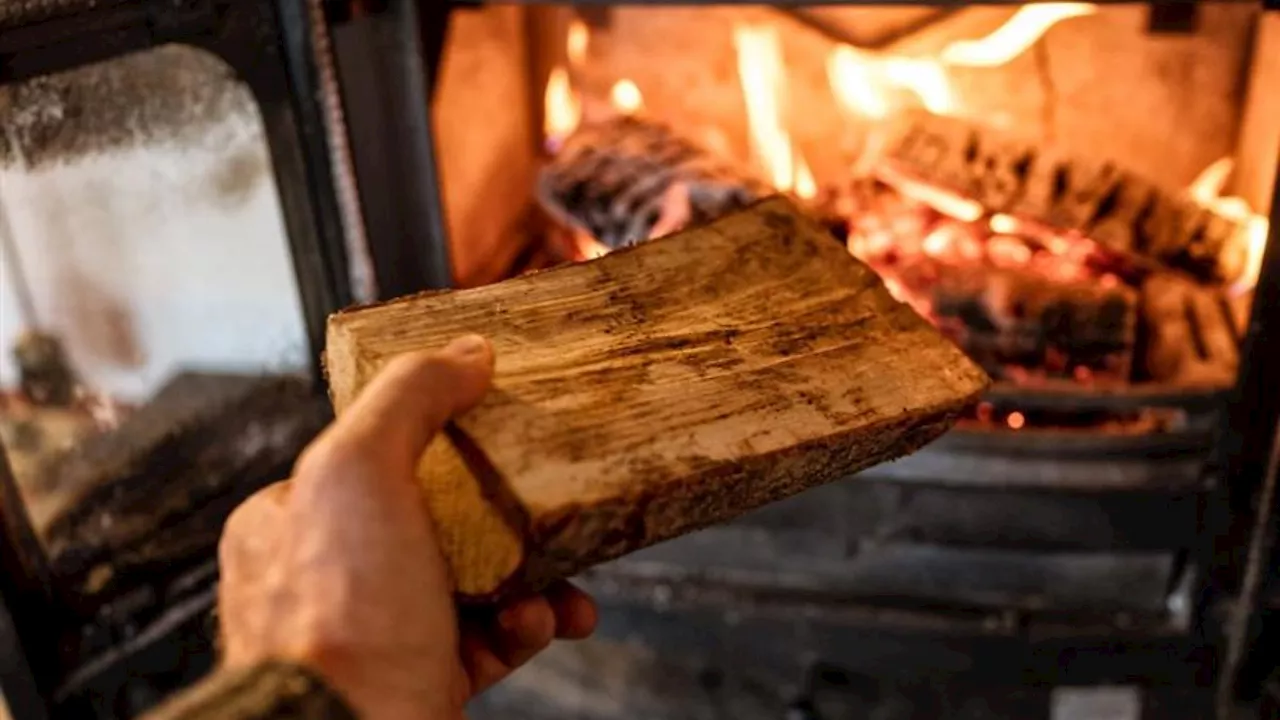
<point>562,109</point>
<point>1004,224</point>
<point>576,43</point>
<point>1247,246</point>
<point>865,83</point>
<point>626,98</point>
<point>856,83</point>
<point>805,186</point>
<point>761,72</point>
<point>1010,40</point>
<point>924,77</point>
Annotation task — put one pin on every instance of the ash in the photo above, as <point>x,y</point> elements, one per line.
<point>171,95</point>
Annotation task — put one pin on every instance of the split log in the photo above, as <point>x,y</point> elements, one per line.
<point>1192,332</point>
<point>1005,318</point>
<point>613,178</point>
<point>660,389</point>
<point>1116,208</point>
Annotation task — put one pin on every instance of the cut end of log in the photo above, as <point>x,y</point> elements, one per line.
<point>660,389</point>
<point>481,546</point>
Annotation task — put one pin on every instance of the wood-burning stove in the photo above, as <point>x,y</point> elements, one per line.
<point>1076,533</point>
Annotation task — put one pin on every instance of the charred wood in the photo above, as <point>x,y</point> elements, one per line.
<point>616,180</point>
<point>148,498</point>
<point>1006,319</point>
<point>1192,333</point>
<point>1121,211</point>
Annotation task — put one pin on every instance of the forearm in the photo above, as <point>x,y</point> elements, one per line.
<point>268,691</point>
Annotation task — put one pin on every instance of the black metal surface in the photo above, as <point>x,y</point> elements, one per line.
<point>268,43</point>
<point>30,624</point>
<point>387,63</point>
<point>1180,17</point>
<point>690,620</point>
<point>991,470</point>
<point>1241,533</point>
<point>811,565</point>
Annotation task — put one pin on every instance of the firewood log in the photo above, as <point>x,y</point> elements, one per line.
<point>612,178</point>
<point>1193,332</point>
<point>660,389</point>
<point>1118,209</point>
<point>1007,318</point>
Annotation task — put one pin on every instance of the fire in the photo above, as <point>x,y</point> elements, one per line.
<point>866,83</point>
<point>562,109</point>
<point>924,77</point>
<point>1206,190</point>
<point>805,187</point>
<point>576,43</point>
<point>1004,224</point>
<point>761,72</point>
<point>626,97</point>
<point>1013,38</point>
<point>856,83</point>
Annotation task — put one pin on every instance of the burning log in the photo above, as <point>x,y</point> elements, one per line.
<point>660,389</point>
<point>1007,319</point>
<point>614,178</point>
<point>1115,208</point>
<point>1193,332</point>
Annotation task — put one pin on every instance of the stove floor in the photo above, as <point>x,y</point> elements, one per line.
<point>610,680</point>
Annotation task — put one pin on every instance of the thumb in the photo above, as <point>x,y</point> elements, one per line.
<point>408,402</point>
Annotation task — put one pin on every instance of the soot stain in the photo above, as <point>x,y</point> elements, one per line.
<point>169,95</point>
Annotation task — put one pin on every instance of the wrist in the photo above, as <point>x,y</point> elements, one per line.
<point>380,689</point>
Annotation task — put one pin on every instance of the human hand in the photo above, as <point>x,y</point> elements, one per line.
<point>339,568</point>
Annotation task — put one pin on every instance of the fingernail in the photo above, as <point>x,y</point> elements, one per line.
<point>468,345</point>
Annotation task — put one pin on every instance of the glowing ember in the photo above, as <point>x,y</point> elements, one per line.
<point>576,43</point>
<point>1247,247</point>
<point>1004,224</point>
<point>626,97</point>
<point>1010,40</point>
<point>1016,421</point>
<point>562,109</point>
<point>944,201</point>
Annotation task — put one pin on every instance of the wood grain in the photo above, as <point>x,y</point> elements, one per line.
<point>660,389</point>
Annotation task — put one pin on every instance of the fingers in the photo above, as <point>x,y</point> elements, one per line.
<point>253,529</point>
<point>251,544</point>
<point>496,647</point>
<point>405,406</point>
<point>575,611</point>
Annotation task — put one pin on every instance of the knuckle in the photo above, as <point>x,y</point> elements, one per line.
<point>330,457</point>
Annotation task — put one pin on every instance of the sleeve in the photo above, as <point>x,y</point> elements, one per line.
<point>268,691</point>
